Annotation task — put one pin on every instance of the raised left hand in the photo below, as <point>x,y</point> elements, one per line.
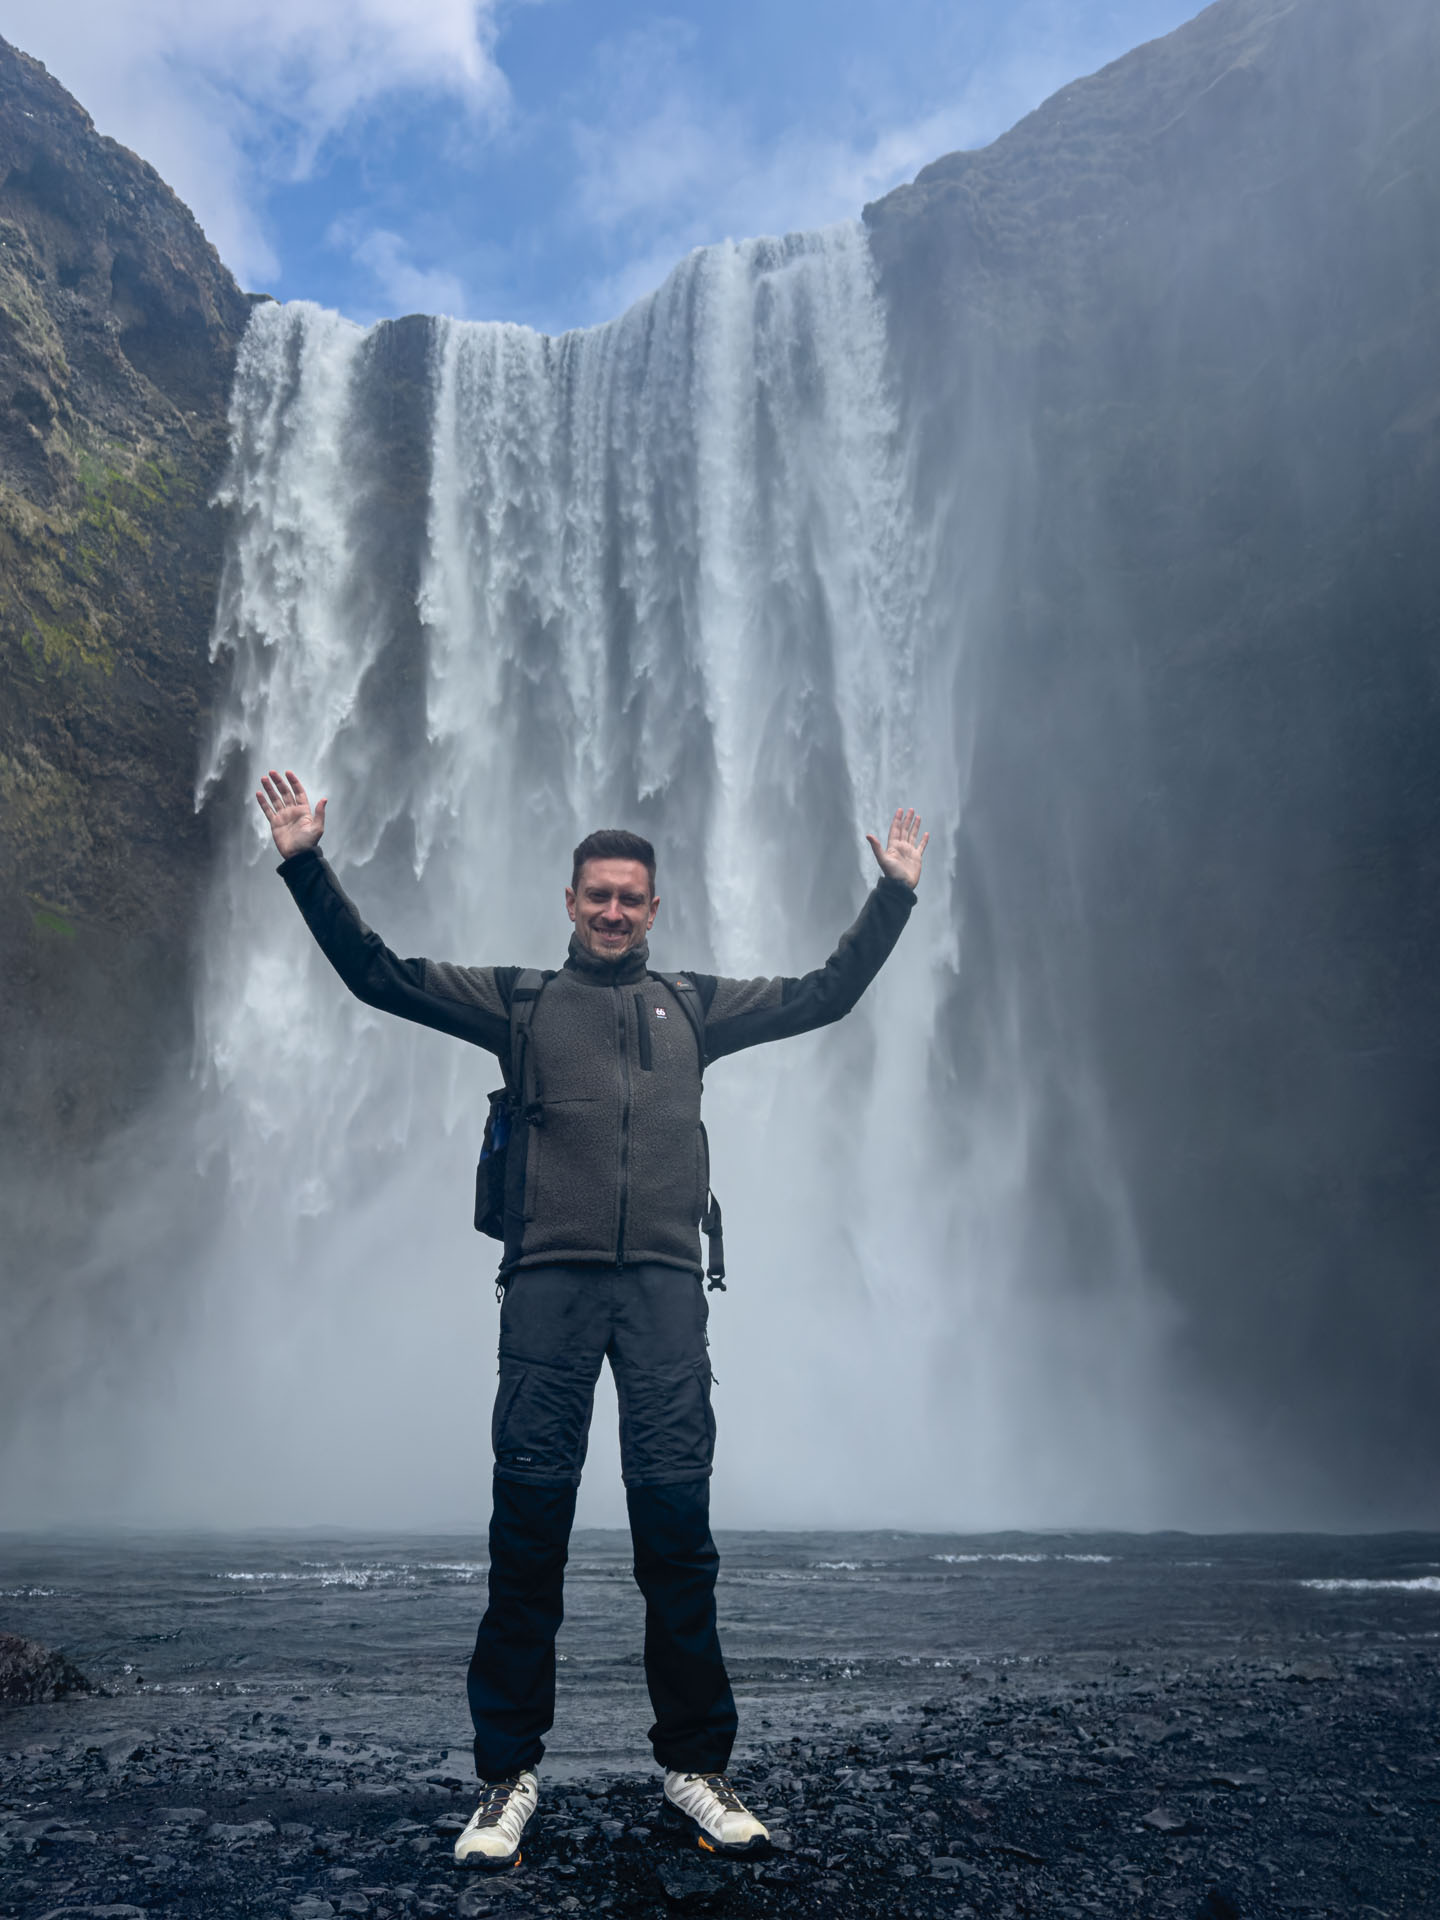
<point>284,802</point>
<point>904,850</point>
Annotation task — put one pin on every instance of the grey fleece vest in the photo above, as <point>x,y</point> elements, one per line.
<point>615,1168</point>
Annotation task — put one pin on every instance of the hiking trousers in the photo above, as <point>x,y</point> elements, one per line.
<point>557,1325</point>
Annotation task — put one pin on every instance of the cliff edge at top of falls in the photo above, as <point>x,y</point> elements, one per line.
<point>1238,103</point>
<point>118,330</point>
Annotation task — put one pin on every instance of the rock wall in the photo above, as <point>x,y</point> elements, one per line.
<point>1171,344</point>
<point>118,327</point>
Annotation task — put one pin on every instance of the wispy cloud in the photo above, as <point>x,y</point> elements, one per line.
<point>402,285</point>
<point>227,97</point>
<point>667,168</point>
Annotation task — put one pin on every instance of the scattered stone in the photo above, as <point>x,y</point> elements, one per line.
<point>862,1827</point>
<point>693,1886</point>
<point>239,1834</point>
<point>474,1903</point>
<point>118,1749</point>
<point>1218,1905</point>
<point>1311,1672</point>
<point>1163,1821</point>
<point>120,1912</point>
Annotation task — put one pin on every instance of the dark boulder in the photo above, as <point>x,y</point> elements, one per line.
<point>31,1674</point>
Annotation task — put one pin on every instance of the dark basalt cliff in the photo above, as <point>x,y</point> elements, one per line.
<point>1171,351</point>
<point>118,327</point>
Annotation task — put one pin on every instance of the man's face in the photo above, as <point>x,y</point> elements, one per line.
<point>612,907</point>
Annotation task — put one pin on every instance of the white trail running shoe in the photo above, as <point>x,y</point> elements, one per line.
<point>710,1807</point>
<point>492,1839</point>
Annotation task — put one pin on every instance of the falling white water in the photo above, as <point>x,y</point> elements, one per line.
<point>488,590</point>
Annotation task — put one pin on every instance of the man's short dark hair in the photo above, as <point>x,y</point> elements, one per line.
<point>614,843</point>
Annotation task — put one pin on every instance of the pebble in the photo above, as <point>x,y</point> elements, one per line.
<point>1164,1821</point>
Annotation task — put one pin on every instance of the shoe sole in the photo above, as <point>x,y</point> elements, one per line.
<point>489,1863</point>
<point>706,1842</point>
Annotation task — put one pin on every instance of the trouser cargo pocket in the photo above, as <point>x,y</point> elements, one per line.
<point>667,1427</point>
<point>541,1423</point>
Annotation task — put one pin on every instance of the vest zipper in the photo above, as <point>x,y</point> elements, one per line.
<point>622,1040</point>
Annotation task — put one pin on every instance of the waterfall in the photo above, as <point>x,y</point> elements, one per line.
<point>487,590</point>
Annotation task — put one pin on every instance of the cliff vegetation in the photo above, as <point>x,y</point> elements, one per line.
<point>118,327</point>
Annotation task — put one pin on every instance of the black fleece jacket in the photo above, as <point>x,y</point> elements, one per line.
<point>617,1171</point>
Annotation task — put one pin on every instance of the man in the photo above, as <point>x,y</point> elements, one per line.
<point>609,1185</point>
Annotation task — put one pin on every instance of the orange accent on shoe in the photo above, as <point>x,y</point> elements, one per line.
<point>704,1843</point>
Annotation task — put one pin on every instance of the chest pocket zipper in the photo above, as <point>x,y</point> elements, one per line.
<point>642,1025</point>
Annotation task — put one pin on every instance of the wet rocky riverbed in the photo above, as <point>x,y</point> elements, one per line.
<point>1233,1757</point>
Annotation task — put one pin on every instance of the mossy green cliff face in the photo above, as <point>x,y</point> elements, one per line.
<point>118,327</point>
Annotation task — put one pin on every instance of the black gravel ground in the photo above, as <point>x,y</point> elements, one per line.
<point>1244,1788</point>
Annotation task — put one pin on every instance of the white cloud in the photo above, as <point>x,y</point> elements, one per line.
<point>225,97</point>
<point>403,286</point>
<point>676,182</point>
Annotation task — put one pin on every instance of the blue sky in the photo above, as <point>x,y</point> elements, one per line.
<point>546,160</point>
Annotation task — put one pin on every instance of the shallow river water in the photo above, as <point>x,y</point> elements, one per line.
<point>364,1638</point>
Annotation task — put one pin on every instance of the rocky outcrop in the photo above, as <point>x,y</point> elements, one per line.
<point>1169,349</point>
<point>31,1674</point>
<point>118,327</point>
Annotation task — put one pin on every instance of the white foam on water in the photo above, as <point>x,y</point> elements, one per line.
<point>1028,1559</point>
<point>326,1576</point>
<point>1424,1583</point>
<point>972,1559</point>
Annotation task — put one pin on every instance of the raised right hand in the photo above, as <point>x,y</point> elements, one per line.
<point>286,805</point>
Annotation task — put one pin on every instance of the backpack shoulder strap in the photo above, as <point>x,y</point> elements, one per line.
<point>692,1002</point>
<point>687,993</point>
<point>529,984</point>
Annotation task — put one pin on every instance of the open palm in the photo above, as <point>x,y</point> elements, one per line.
<point>904,850</point>
<point>294,826</point>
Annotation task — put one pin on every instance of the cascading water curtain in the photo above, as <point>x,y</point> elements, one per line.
<point>488,590</point>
